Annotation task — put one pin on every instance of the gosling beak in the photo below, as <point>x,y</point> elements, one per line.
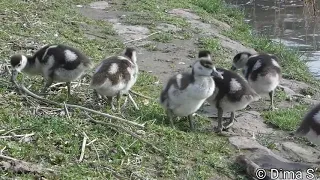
<point>14,74</point>
<point>233,68</point>
<point>215,73</point>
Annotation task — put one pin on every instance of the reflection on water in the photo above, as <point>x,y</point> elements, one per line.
<point>286,21</point>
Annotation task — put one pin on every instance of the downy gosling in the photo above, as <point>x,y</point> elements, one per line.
<point>261,70</point>
<point>115,76</point>
<point>231,93</point>
<point>184,93</point>
<point>55,62</point>
<point>310,126</point>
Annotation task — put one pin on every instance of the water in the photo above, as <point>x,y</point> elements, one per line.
<point>289,22</point>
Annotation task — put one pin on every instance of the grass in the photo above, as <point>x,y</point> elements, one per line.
<point>286,119</point>
<point>57,139</point>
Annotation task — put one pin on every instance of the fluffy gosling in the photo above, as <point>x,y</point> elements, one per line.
<point>184,93</point>
<point>55,62</point>
<point>310,125</point>
<point>115,76</point>
<point>231,93</point>
<point>262,71</point>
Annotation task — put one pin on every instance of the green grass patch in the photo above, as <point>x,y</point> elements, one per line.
<point>286,119</point>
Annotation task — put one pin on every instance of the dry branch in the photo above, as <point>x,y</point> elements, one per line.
<point>20,166</point>
<point>16,136</point>
<point>133,102</point>
<point>23,88</point>
<point>113,126</point>
<point>83,147</point>
<point>11,131</point>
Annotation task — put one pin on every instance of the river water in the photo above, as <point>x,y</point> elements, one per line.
<point>289,22</point>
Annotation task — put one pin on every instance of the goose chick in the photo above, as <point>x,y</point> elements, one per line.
<point>115,76</point>
<point>55,62</point>
<point>310,125</point>
<point>232,93</point>
<point>262,71</point>
<point>184,93</point>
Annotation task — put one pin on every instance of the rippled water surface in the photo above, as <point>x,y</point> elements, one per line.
<point>287,21</point>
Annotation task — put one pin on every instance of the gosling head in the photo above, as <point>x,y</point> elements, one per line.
<point>240,60</point>
<point>18,63</point>
<point>131,53</point>
<point>204,54</point>
<point>205,67</point>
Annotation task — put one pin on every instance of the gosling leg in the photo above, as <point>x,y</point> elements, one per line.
<point>190,117</point>
<point>271,95</point>
<point>68,84</point>
<point>170,117</point>
<point>220,127</point>
<point>230,122</point>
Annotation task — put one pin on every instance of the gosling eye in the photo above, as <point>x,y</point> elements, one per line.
<point>19,65</point>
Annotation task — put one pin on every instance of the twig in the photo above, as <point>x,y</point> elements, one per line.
<point>1,152</point>
<point>124,129</point>
<point>91,142</point>
<point>61,83</point>
<point>138,94</point>
<point>26,165</point>
<point>133,102</point>
<point>22,87</point>
<point>25,136</point>
<point>66,110</point>
<point>83,147</point>
<point>95,149</point>
<point>139,39</point>
<point>16,136</point>
<point>8,158</point>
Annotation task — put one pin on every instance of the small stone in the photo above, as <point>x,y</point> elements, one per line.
<point>168,27</point>
<point>308,154</point>
<point>181,63</point>
<point>146,102</point>
<point>27,139</point>
<point>99,5</point>
<point>149,71</point>
<point>79,6</point>
<point>289,98</point>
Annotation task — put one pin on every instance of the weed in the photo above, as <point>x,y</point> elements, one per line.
<point>286,119</point>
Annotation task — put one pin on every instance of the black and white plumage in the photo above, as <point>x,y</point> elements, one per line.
<point>231,93</point>
<point>184,93</point>
<point>261,70</point>
<point>310,125</point>
<point>115,76</point>
<point>55,62</point>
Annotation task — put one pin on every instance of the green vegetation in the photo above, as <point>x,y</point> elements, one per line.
<point>58,138</point>
<point>287,119</point>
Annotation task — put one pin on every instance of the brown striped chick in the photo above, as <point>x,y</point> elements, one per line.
<point>115,76</point>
